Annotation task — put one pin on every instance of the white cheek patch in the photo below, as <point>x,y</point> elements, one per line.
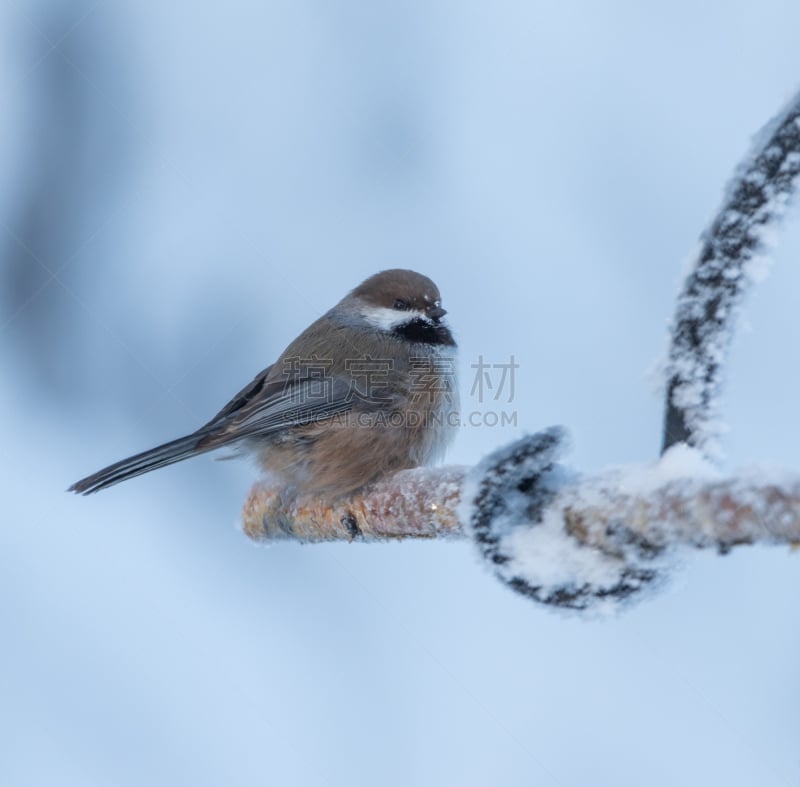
<point>386,319</point>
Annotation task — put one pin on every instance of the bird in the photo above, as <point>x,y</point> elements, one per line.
<point>365,391</point>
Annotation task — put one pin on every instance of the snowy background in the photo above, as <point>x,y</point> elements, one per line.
<point>185,187</point>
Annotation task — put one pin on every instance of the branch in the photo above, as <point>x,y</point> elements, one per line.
<point>732,257</point>
<point>545,532</point>
<point>412,504</point>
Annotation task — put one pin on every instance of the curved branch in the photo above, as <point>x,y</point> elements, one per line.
<point>547,533</point>
<point>731,257</point>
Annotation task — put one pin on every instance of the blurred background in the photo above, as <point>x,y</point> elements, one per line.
<point>185,187</point>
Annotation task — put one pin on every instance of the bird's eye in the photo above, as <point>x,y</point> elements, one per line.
<point>400,304</point>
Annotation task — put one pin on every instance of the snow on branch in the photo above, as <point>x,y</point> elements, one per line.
<point>732,256</point>
<point>555,537</point>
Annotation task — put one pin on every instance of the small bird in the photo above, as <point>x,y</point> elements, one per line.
<point>366,390</point>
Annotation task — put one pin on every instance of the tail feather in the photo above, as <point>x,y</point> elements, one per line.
<point>162,455</point>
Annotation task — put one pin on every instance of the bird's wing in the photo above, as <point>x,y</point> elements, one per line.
<point>243,397</point>
<point>271,403</point>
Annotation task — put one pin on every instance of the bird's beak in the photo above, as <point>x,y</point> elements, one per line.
<point>436,313</point>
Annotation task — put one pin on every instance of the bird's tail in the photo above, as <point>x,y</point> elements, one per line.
<point>162,455</point>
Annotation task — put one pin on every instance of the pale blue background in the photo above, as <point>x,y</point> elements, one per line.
<point>207,179</point>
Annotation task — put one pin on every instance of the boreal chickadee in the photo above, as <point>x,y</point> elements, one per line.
<point>366,390</point>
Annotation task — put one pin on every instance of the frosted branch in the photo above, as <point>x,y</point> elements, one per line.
<point>561,539</point>
<point>732,256</point>
<point>412,504</point>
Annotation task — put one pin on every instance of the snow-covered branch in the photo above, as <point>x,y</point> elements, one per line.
<point>561,539</point>
<point>581,542</point>
<point>732,256</point>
